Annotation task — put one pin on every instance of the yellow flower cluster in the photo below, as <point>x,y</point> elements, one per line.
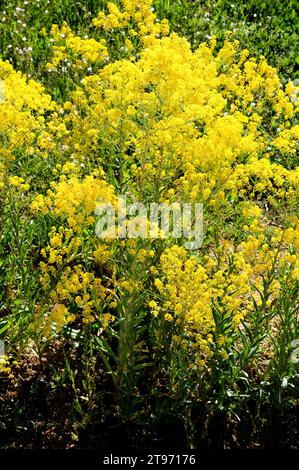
<point>74,51</point>
<point>75,200</point>
<point>56,319</point>
<point>137,17</point>
<point>262,179</point>
<point>186,297</point>
<point>18,182</point>
<point>23,119</point>
<point>75,292</point>
<point>185,124</point>
<point>237,280</point>
<point>23,108</point>
<point>69,284</point>
<point>5,367</point>
<point>167,125</point>
<point>80,289</point>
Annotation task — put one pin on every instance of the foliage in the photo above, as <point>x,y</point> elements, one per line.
<point>163,121</point>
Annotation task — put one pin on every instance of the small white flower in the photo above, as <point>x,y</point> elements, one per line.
<point>284,383</point>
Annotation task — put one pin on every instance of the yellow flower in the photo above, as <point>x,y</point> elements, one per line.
<point>168,317</point>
